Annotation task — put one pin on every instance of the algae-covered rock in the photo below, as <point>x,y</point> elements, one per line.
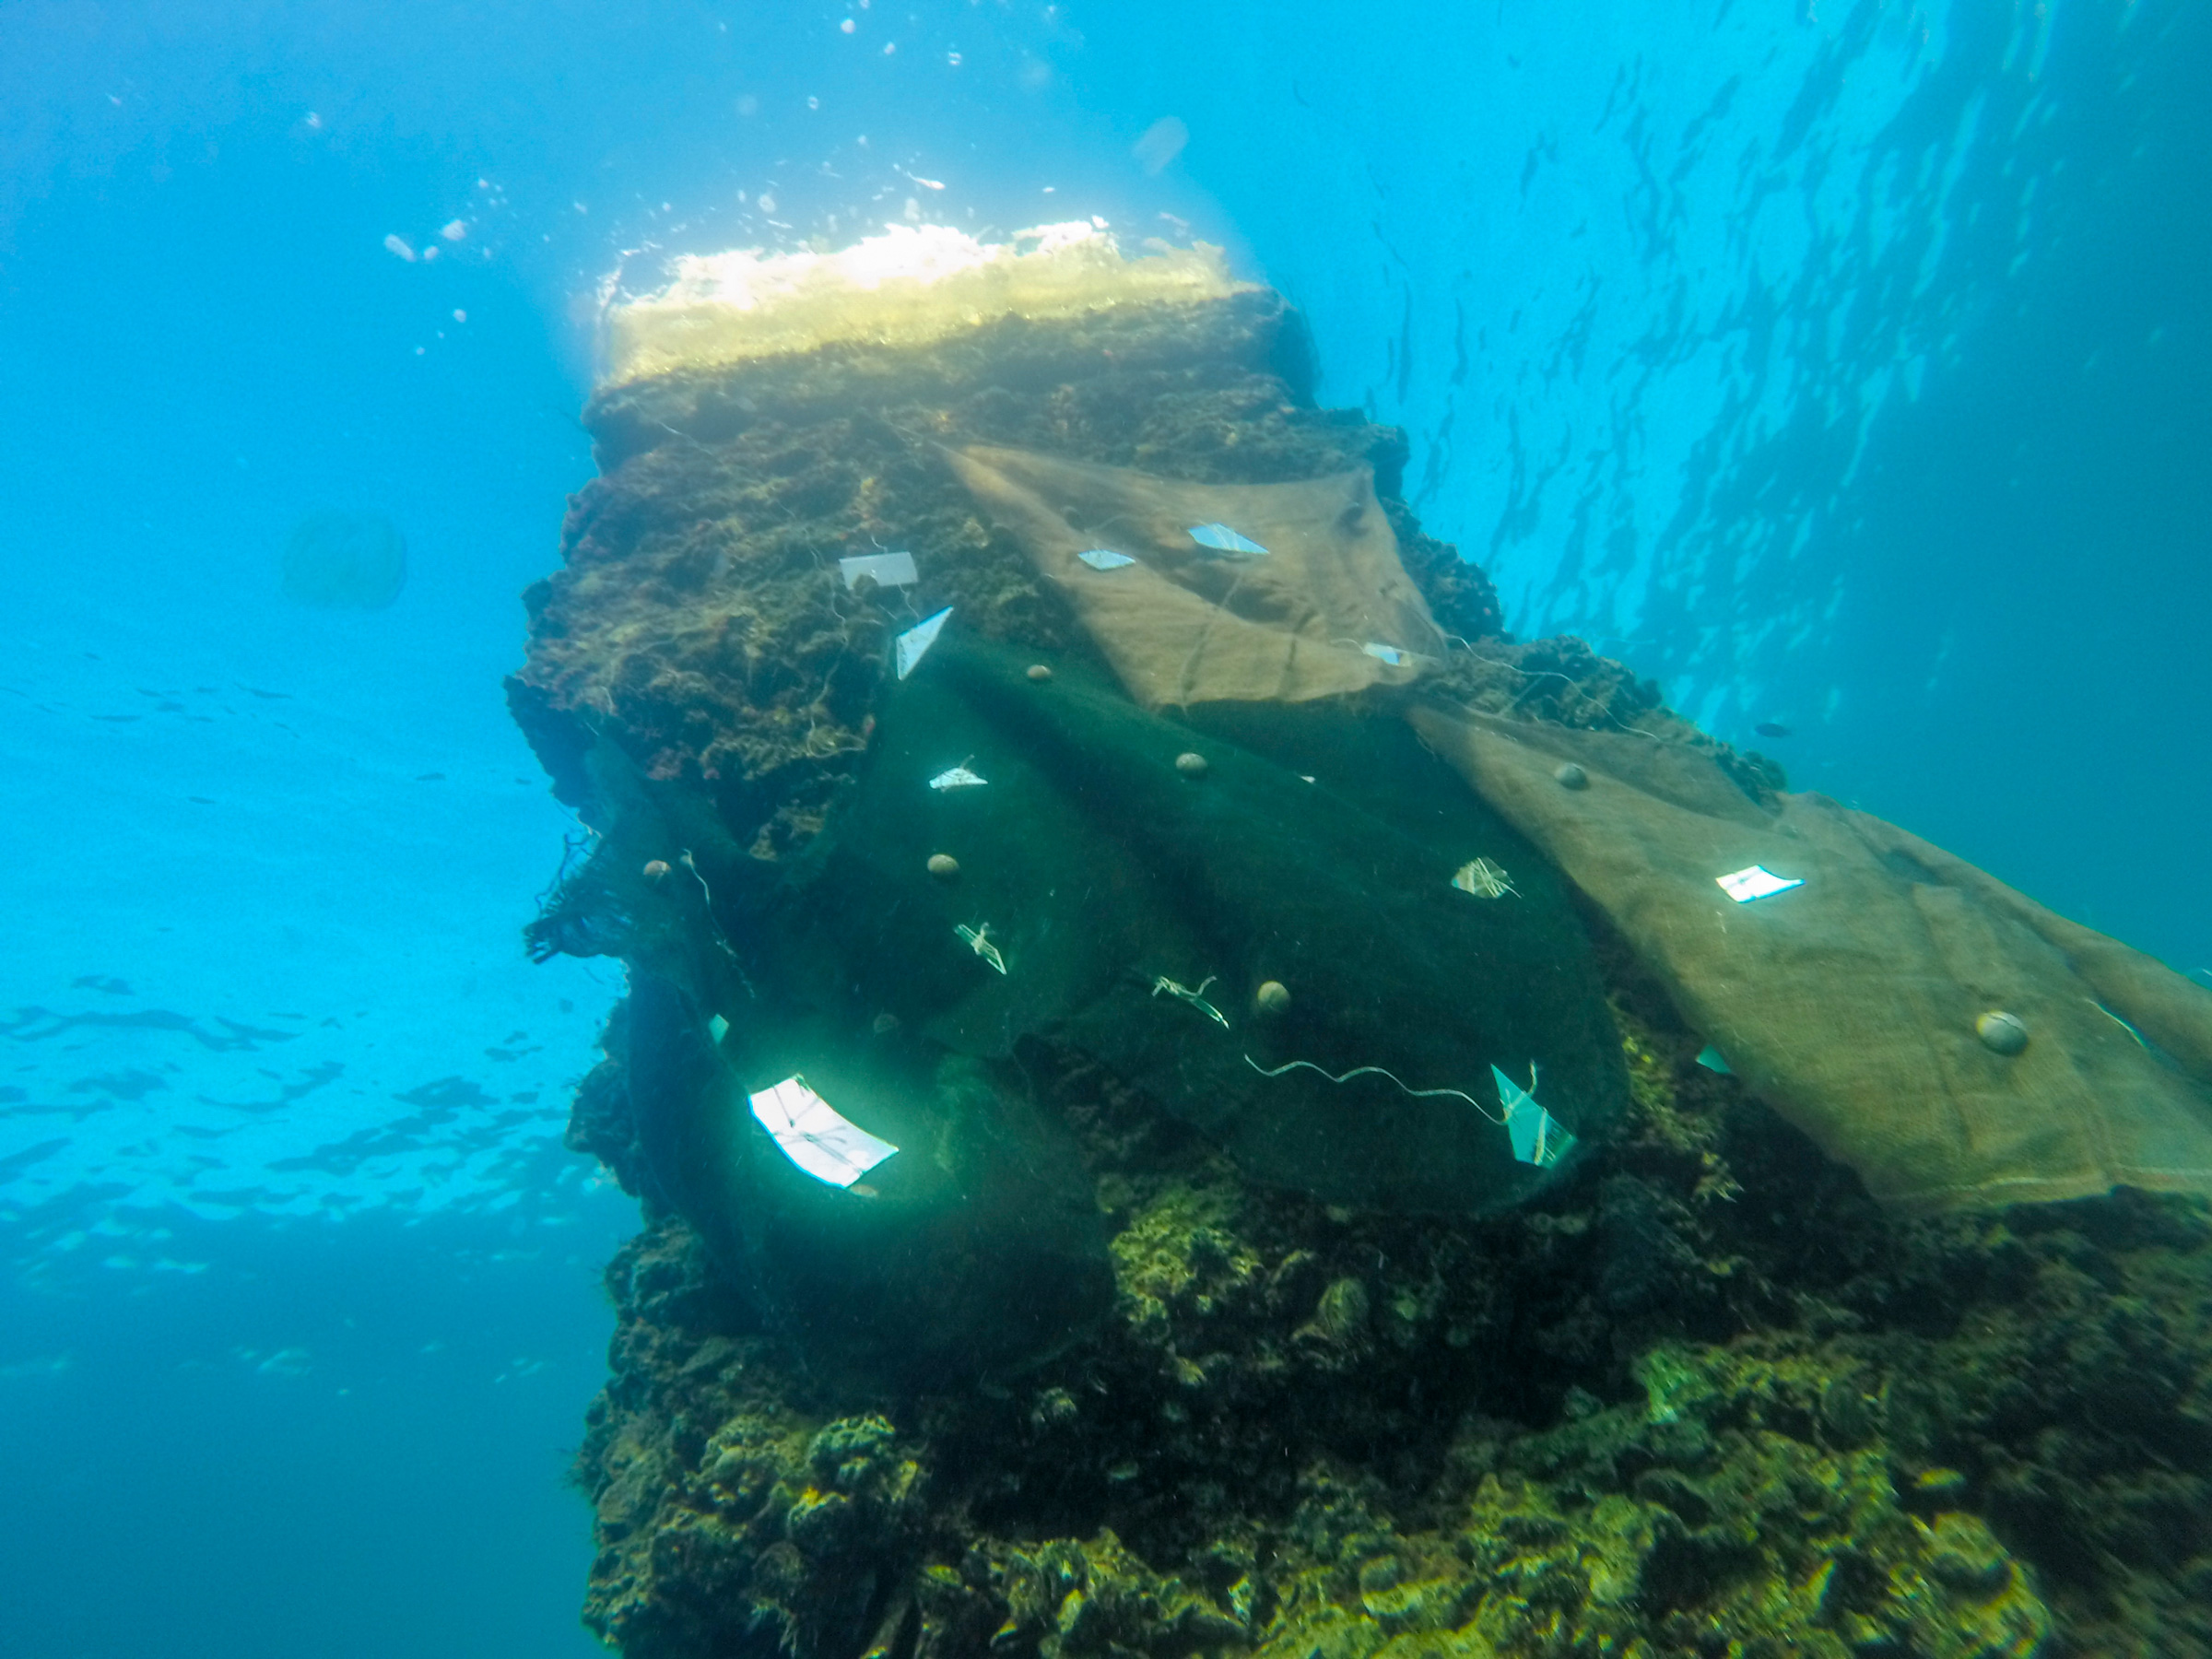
<point>1687,1393</point>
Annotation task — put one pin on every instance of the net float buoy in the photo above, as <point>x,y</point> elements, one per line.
<point>2002,1033</point>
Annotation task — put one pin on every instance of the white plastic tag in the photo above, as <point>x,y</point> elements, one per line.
<point>1223,539</point>
<point>919,638</point>
<point>889,570</point>
<point>1758,882</point>
<point>808,1130</point>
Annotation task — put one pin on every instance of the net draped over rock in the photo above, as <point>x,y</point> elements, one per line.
<point>1186,624</point>
<point>1316,851</point>
<point>1850,1003</point>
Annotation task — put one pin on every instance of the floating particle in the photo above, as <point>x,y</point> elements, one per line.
<point>1162,142</point>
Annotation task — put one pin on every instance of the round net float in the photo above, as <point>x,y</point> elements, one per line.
<point>1189,764</point>
<point>1039,673</point>
<point>1571,776</point>
<point>2002,1033</point>
<point>944,866</point>
<point>1273,999</point>
<point>656,871</point>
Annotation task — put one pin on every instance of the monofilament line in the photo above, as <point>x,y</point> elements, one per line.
<point>1376,1071</point>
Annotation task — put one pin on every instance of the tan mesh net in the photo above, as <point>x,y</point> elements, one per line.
<point>1850,1003</point>
<point>1321,612</point>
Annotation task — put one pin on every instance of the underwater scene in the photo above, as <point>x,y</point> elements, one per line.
<point>966,830</point>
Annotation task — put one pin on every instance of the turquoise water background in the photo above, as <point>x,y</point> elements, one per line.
<point>1843,367</point>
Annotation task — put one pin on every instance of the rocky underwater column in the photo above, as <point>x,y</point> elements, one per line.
<point>1188,1094</point>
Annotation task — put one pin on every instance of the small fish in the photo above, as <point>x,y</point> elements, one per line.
<point>1771,728</point>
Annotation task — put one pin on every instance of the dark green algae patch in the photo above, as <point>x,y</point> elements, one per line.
<point>1697,1397</point>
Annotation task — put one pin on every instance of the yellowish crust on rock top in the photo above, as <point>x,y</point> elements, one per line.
<point>911,286</point>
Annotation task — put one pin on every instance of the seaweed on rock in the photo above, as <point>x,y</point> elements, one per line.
<point>1696,1397</point>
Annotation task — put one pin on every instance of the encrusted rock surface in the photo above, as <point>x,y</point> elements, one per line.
<point>1706,1399</point>
<point>1701,1398</point>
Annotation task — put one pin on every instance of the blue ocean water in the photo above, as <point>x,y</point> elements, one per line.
<point>1844,367</point>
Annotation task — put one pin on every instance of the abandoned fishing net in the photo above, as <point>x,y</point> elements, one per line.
<point>977,716</point>
<point>1198,592</point>
<point>1263,928</point>
<point>1952,1041</point>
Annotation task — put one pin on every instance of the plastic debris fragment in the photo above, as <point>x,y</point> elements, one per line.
<point>1195,998</point>
<point>1375,1071</point>
<point>1484,880</point>
<point>2140,1040</point>
<point>1539,1138</point>
<point>1712,1060</point>
<point>1105,559</point>
<point>1223,539</point>
<point>919,638</point>
<point>718,1027</point>
<point>958,777</point>
<point>1758,882</point>
<point>977,939</point>
<point>808,1130</point>
<point>1385,654</point>
<point>889,570</point>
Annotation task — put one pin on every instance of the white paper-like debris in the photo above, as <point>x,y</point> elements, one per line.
<point>1223,539</point>
<point>1539,1138</point>
<point>1385,654</point>
<point>977,939</point>
<point>1484,880</point>
<point>889,570</point>
<point>808,1130</point>
<point>1105,559</point>
<point>1758,882</point>
<point>958,777</point>
<point>919,638</point>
